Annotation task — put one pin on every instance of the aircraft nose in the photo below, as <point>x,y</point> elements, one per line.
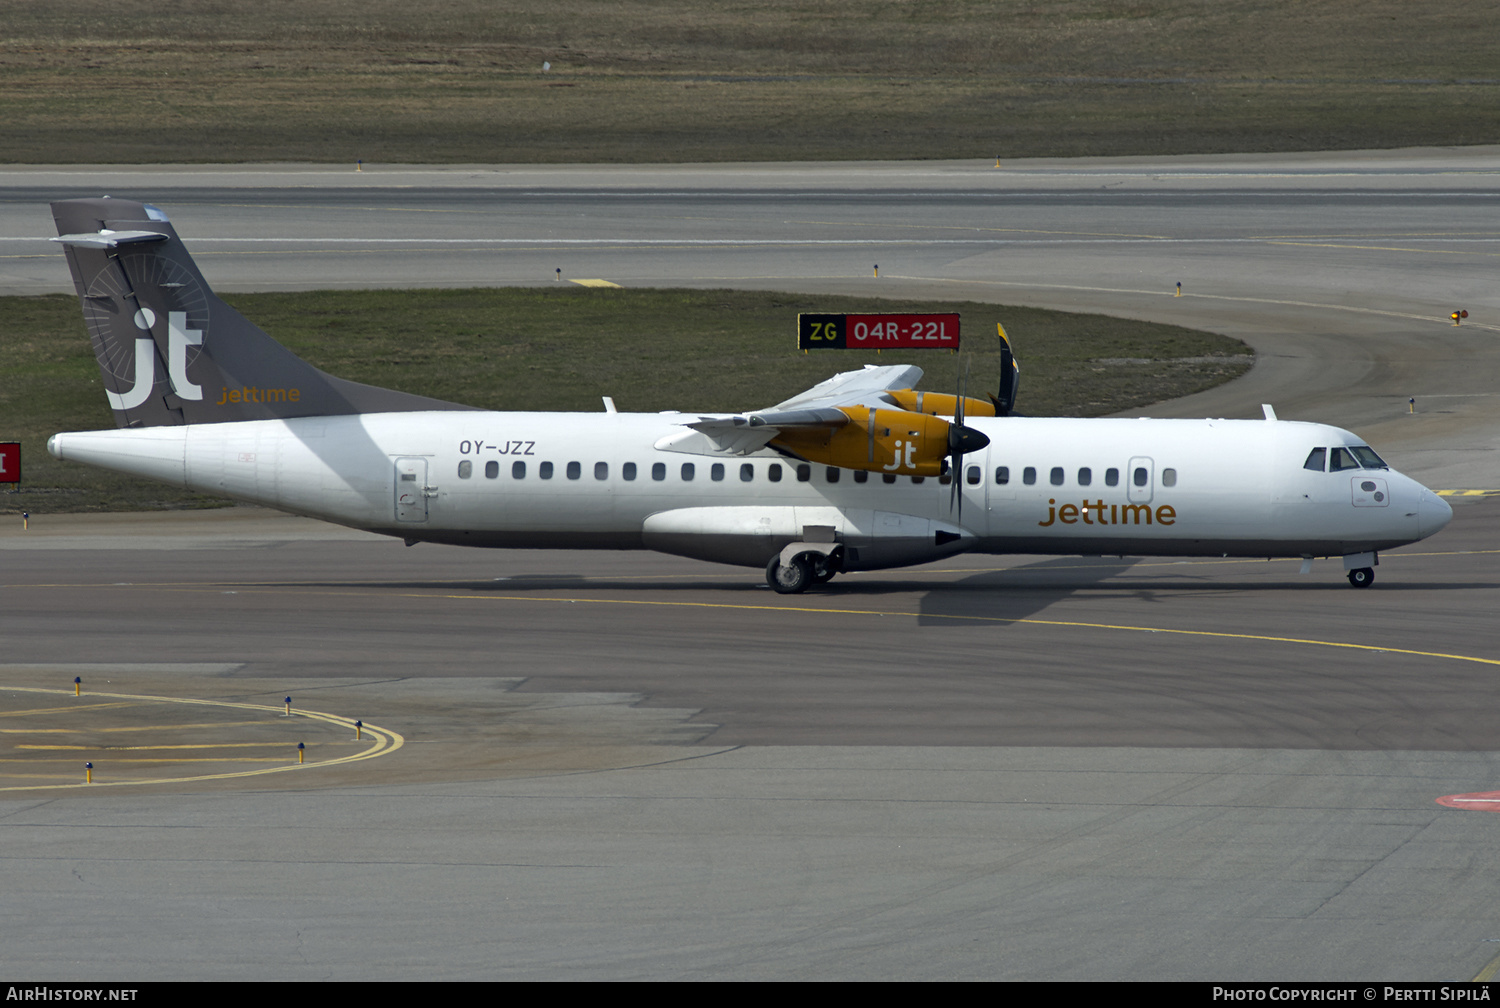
<point>1432,513</point>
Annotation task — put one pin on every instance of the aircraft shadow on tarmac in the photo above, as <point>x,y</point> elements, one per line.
<point>1013,593</point>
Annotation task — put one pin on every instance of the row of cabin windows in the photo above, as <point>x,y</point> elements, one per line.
<point>688,471</point>
<point>716,473</point>
<point>1140,476</point>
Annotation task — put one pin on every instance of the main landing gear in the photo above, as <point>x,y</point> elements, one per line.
<point>1362,577</point>
<point>800,572</point>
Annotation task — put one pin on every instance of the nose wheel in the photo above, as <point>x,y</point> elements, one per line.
<point>1362,577</point>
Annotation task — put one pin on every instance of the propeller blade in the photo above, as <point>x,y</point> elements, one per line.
<point>1010,376</point>
<point>961,441</point>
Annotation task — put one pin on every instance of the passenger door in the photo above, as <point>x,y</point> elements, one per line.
<point>412,490</point>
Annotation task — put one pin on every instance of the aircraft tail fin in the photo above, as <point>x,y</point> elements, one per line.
<point>169,350</point>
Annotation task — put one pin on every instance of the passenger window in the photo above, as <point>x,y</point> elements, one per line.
<point>628,470</point>
<point>887,477</point>
<point>1315,459</point>
<point>465,469</point>
<point>1028,475</point>
<point>832,474</point>
<point>544,470</point>
<point>601,470</point>
<point>1057,475</point>
<point>1341,459</point>
<point>688,472</point>
<point>918,480</point>
<point>1111,477</point>
<point>1085,477</point>
<point>491,469</point>
<point>860,476</point>
<point>518,470</point>
<point>716,472</point>
<point>773,473</point>
<point>747,472</point>
<point>972,477</point>
<point>1002,475</point>
<point>658,471</point>
<point>1169,477</point>
<point>575,470</point>
<point>1141,476</point>
<point>804,473</point>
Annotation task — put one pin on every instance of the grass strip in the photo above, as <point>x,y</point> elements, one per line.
<point>536,81</point>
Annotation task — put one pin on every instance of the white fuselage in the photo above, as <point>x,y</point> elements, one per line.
<point>597,480</point>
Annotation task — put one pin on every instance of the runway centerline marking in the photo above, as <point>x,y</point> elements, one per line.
<point>1206,297</point>
<point>989,619</point>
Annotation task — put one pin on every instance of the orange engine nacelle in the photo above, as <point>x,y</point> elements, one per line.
<point>940,404</point>
<point>876,440</point>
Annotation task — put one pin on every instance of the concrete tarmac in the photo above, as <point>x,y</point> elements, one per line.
<point>625,766</point>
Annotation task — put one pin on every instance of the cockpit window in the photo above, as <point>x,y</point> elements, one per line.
<point>1341,459</point>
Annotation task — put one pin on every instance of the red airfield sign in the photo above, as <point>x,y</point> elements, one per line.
<point>10,462</point>
<point>877,332</point>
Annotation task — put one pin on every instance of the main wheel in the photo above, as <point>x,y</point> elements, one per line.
<point>790,579</point>
<point>823,570</point>
<point>1362,577</point>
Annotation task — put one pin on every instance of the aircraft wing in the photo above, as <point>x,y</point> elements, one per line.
<point>815,409</point>
<point>855,388</point>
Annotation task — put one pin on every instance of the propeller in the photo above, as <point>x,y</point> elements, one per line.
<point>961,441</point>
<point>1010,376</point>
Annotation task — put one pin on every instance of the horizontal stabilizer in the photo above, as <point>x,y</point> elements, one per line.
<point>110,239</point>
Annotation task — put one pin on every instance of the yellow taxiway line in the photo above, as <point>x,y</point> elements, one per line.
<point>382,741</point>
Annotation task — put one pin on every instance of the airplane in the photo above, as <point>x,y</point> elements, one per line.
<point>859,473</point>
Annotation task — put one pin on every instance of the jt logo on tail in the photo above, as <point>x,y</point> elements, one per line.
<point>179,338</point>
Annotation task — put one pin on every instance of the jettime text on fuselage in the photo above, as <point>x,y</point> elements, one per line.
<point>1099,513</point>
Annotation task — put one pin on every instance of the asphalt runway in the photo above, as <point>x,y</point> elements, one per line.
<point>624,766</point>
